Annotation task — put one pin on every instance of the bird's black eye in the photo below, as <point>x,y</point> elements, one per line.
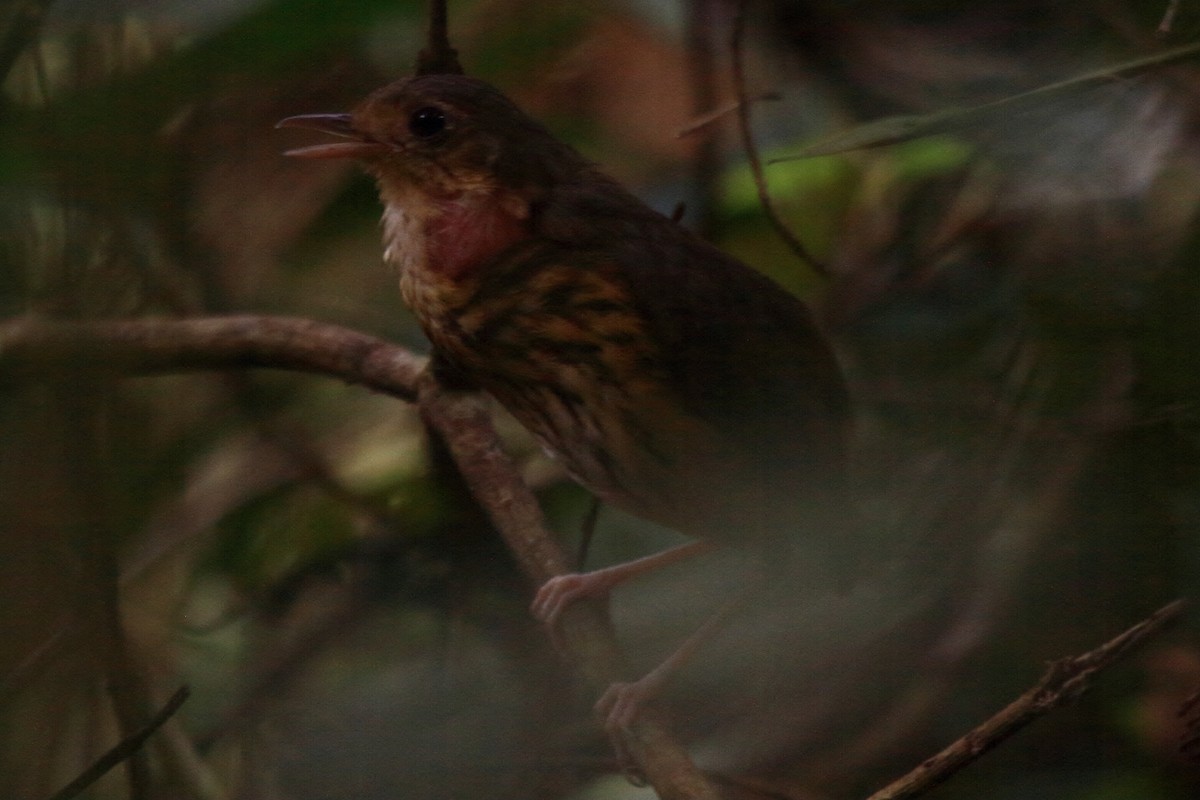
<point>427,122</point>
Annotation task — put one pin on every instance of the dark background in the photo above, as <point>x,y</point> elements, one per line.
<point>1015,302</point>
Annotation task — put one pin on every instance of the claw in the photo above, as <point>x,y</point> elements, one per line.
<point>560,591</point>
<point>619,706</point>
<point>556,594</point>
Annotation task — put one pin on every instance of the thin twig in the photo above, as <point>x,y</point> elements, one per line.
<point>1065,681</point>
<point>752,156</point>
<point>708,117</point>
<point>907,127</point>
<point>438,57</point>
<point>123,749</point>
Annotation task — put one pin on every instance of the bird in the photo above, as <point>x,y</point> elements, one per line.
<point>670,379</point>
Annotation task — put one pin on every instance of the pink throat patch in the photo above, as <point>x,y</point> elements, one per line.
<point>464,236</point>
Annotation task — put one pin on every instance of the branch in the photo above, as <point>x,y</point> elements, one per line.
<point>32,347</point>
<point>123,749</point>
<point>39,348</point>
<point>760,180</point>
<point>492,477</point>
<point>1065,681</point>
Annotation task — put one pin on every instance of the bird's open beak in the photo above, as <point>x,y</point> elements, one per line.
<point>335,125</point>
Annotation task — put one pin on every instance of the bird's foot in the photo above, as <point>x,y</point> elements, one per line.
<point>562,590</point>
<point>621,703</point>
<point>619,707</point>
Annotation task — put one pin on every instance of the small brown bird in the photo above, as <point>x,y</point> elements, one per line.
<point>669,379</point>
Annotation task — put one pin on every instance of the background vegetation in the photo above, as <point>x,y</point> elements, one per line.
<point>1015,301</point>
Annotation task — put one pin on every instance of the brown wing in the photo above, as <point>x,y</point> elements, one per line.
<point>741,360</point>
<point>742,352</point>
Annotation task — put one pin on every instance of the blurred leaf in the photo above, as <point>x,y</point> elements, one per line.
<point>277,532</point>
<point>801,178</point>
<point>795,180</point>
<point>814,194</point>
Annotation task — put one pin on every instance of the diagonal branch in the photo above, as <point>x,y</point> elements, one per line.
<point>32,348</point>
<point>1065,681</point>
<point>587,631</point>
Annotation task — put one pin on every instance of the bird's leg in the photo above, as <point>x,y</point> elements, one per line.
<point>622,701</point>
<point>562,590</point>
<point>625,699</point>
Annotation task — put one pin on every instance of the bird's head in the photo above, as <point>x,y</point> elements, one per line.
<point>460,168</point>
<point>443,134</point>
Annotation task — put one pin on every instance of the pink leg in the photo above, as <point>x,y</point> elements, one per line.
<point>562,590</point>
<point>621,702</point>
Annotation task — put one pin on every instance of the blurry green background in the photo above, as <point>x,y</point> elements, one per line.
<point>1016,305</point>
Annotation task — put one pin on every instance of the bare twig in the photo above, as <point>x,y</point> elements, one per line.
<point>438,57</point>
<point>752,156</point>
<point>1065,681</point>
<point>123,749</point>
<point>708,117</point>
